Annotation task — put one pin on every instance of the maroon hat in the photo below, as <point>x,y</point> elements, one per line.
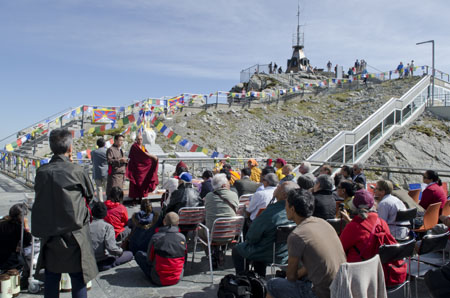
<point>280,160</point>
<point>363,199</point>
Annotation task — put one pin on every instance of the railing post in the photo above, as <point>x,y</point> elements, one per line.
<point>217,99</point>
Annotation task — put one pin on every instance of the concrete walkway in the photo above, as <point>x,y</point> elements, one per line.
<point>129,281</point>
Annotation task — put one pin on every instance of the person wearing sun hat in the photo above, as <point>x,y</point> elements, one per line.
<point>256,172</point>
<point>356,238</point>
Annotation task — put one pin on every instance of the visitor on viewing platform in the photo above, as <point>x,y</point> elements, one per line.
<point>185,196</point>
<point>358,175</point>
<point>171,184</point>
<point>117,214</point>
<point>206,186</point>
<point>400,70</point>
<point>305,170</point>
<point>245,185</point>
<point>256,172</point>
<point>288,174</point>
<point>388,206</point>
<point>229,178</point>
<point>164,261</point>
<point>117,165</point>
<point>262,198</point>
<point>258,245</point>
<point>433,192</point>
<point>10,234</point>
<point>142,170</point>
<point>305,183</point>
<point>325,169</point>
<point>107,253</point>
<point>324,202</point>
<point>347,172</point>
<point>411,68</point>
<point>346,190</point>
<point>234,175</point>
<point>222,202</point>
<point>313,258</point>
<point>100,167</point>
<point>329,65</point>
<point>142,224</point>
<point>61,218</point>
<point>279,164</point>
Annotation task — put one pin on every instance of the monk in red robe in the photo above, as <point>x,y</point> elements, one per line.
<point>142,170</point>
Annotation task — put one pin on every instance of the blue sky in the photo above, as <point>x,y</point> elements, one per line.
<point>57,54</point>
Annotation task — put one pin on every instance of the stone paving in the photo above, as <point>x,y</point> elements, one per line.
<point>129,281</point>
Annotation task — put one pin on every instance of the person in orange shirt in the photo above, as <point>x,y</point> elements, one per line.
<point>256,172</point>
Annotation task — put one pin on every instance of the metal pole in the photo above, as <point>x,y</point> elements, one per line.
<point>432,91</point>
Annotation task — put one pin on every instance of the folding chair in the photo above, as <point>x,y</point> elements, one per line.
<point>394,252</point>
<point>223,231</point>
<point>407,215</point>
<point>241,209</point>
<point>428,244</point>
<point>245,199</point>
<point>446,209</point>
<point>338,224</point>
<point>190,218</point>
<point>430,218</point>
<point>282,235</point>
<point>415,194</point>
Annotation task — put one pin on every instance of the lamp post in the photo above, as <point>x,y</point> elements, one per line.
<point>432,66</point>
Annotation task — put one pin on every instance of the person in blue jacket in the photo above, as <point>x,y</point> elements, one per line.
<point>258,245</point>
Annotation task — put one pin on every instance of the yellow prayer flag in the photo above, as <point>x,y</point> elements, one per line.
<point>158,127</point>
<point>177,139</point>
<point>91,130</point>
<point>9,147</point>
<point>78,110</point>
<point>204,150</point>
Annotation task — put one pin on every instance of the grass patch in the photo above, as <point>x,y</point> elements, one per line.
<point>422,129</point>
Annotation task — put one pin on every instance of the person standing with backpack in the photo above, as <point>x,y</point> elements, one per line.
<point>365,233</point>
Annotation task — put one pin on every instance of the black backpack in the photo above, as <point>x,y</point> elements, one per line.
<point>245,285</point>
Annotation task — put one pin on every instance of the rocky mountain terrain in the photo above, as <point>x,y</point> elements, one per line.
<point>423,144</point>
<point>291,129</point>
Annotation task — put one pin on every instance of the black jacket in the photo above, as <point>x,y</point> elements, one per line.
<point>324,204</point>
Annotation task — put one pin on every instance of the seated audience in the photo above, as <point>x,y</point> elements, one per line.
<point>258,244</point>
<point>325,204</point>
<point>171,184</point>
<point>346,190</point>
<point>287,172</point>
<point>279,164</point>
<point>164,261</point>
<point>314,257</point>
<point>206,186</point>
<point>433,192</point>
<point>10,234</point>
<point>305,183</point>
<point>234,175</point>
<point>143,225</point>
<point>255,171</point>
<point>359,176</point>
<point>305,170</point>
<point>229,178</point>
<point>117,213</point>
<point>325,169</point>
<point>107,253</point>
<point>245,185</point>
<point>265,171</point>
<point>357,233</point>
<point>347,172</point>
<point>222,202</point>
<point>388,205</point>
<point>185,196</point>
<point>262,198</point>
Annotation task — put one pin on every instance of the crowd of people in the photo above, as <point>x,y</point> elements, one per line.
<point>81,235</point>
<point>405,71</point>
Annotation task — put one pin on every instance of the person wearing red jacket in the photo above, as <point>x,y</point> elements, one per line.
<point>117,214</point>
<point>433,193</point>
<point>164,261</point>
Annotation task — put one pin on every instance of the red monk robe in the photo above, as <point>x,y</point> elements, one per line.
<point>142,171</point>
